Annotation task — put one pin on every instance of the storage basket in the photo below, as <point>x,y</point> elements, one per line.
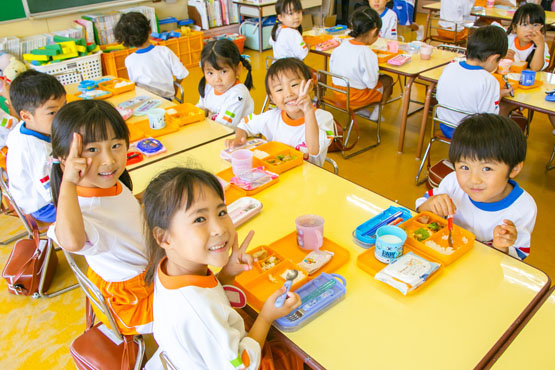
<point>74,70</point>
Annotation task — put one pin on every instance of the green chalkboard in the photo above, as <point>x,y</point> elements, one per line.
<point>41,6</point>
<point>11,9</point>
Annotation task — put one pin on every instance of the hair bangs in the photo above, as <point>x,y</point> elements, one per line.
<point>94,127</point>
<point>287,66</point>
<point>291,6</point>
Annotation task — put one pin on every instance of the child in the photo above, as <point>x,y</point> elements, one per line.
<point>526,37</point>
<point>98,216</point>
<point>35,97</point>
<point>294,122</point>
<point>8,119</point>
<point>469,85</point>
<point>354,60</point>
<point>488,152</point>
<point>153,67</point>
<point>287,40</point>
<point>453,14</point>
<point>188,228</point>
<point>225,99</point>
<point>388,29</point>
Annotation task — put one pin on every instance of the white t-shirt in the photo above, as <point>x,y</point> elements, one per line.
<point>197,328</point>
<point>522,53</point>
<point>155,68</point>
<point>468,88</point>
<point>389,24</point>
<point>289,44</point>
<point>357,62</point>
<point>230,107</point>
<point>115,248</point>
<point>29,165</point>
<point>274,125</point>
<point>455,11</point>
<point>482,218</point>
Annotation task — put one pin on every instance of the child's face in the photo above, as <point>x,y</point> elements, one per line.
<point>201,235</point>
<point>41,120</point>
<point>291,18</point>
<point>485,181</point>
<point>526,31</point>
<point>223,79</point>
<point>377,5</point>
<point>106,162</point>
<point>284,91</point>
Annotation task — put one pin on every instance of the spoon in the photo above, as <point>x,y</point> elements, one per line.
<point>450,226</point>
<point>291,275</point>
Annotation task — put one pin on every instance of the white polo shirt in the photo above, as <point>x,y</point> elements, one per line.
<point>289,44</point>
<point>230,107</point>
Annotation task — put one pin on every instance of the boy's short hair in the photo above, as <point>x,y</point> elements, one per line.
<point>487,136</point>
<point>132,29</point>
<point>32,89</point>
<point>283,65</point>
<point>487,41</point>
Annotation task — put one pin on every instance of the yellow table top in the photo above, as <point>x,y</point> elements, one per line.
<point>533,346</point>
<point>432,74</point>
<point>432,6</point>
<point>505,14</point>
<point>535,98</point>
<point>451,324</point>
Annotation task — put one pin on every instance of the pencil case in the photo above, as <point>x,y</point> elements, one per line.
<point>365,234</point>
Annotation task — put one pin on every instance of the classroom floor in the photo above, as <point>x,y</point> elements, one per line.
<point>36,333</point>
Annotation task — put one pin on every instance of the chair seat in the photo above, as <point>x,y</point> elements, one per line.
<point>342,104</point>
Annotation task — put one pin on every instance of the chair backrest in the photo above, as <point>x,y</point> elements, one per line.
<point>435,118</point>
<point>323,86</point>
<point>168,365</point>
<point>6,193</point>
<point>443,34</point>
<point>269,61</point>
<point>179,96</point>
<point>452,48</point>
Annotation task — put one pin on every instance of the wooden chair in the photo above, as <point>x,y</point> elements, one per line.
<point>458,36</point>
<point>168,365</point>
<point>268,62</point>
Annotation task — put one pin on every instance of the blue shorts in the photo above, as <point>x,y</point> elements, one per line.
<point>46,213</point>
<point>446,130</point>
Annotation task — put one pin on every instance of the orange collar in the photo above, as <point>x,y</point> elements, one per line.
<point>218,94</point>
<point>354,42</point>
<point>517,44</point>
<point>180,281</point>
<point>99,192</point>
<point>291,122</point>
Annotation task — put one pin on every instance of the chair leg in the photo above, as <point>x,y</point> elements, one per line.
<point>549,165</point>
<point>13,238</point>
<point>334,164</point>
<point>425,159</point>
<point>41,293</point>
<point>369,146</point>
<point>265,104</point>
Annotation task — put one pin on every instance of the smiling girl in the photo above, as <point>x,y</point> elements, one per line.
<point>287,40</point>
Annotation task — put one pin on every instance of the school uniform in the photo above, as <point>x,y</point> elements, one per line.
<point>468,88</point>
<point>289,43</point>
<point>523,51</point>
<point>197,328</point>
<point>155,67</point>
<point>454,11</point>
<point>482,218</point>
<point>116,254</point>
<point>404,9</point>
<point>275,125</point>
<point>29,165</point>
<point>389,24</point>
<point>229,107</point>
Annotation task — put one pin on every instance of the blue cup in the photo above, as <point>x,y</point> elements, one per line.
<point>527,77</point>
<point>389,243</point>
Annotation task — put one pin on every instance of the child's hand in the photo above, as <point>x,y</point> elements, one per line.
<point>270,312</point>
<point>504,236</point>
<point>240,139</point>
<point>510,54</point>
<point>239,260</point>
<point>439,204</point>
<point>75,167</point>
<point>537,37</point>
<point>303,100</point>
<point>506,92</point>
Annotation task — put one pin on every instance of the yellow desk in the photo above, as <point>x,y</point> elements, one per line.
<point>532,347</point>
<point>451,324</point>
<point>431,8</point>
<point>535,98</point>
<point>507,15</point>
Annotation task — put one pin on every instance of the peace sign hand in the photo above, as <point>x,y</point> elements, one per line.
<point>303,100</point>
<point>239,260</point>
<point>75,166</point>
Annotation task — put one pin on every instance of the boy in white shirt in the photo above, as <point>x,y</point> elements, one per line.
<point>389,19</point>
<point>36,97</point>
<point>488,152</point>
<point>152,67</point>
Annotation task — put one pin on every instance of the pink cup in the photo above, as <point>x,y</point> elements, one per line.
<point>241,161</point>
<point>504,66</point>
<point>310,231</point>
<point>426,51</point>
<point>393,46</point>
<point>490,3</point>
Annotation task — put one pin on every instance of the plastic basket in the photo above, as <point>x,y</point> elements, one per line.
<point>74,70</point>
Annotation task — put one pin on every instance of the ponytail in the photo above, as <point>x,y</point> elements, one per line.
<point>274,30</point>
<point>202,86</point>
<point>248,67</point>
<point>56,175</point>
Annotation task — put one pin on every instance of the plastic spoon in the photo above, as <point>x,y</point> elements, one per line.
<point>291,275</point>
<point>450,226</point>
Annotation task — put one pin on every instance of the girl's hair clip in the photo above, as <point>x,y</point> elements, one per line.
<point>55,161</point>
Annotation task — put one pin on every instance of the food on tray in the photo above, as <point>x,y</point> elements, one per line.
<point>260,154</point>
<point>421,234</point>
<point>315,260</point>
<point>423,219</point>
<point>280,159</point>
<point>260,255</point>
<point>269,263</point>
<point>434,226</point>
<point>300,276</point>
<point>272,278</point>
<point>439,248</point>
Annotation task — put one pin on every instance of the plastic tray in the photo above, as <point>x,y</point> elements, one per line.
<point>135,133</point>
<point>234,190</point>
<point>274,148</point>
<point>101,97</point>
<point>251,143</point>
<point>110,86</point>
<point>317,296</point>
<point>536,84</point>
<point>365,234</point>
<point>243,209</point>
<point>144,126</point>
<point>384,55</point>
<point>312,41</point>
<point>184,114</point>
<point>367,261</point>
<point>257,285</point>
<point>439,237</point>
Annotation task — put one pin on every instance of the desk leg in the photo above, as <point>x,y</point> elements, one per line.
<point>404,112</point>
<point>260,29</point>
<point>428,19</point>
<point>431,88</point>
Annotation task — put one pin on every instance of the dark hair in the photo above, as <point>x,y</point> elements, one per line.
<point>32,89</point>
<point>485,42</point>
<point>531,14</point>
<point>284,65</point>
<point>284,6</point>
<point>225,52</point>
<point>163,197</point>
<point>487,136</point>
<point>90,119</point>
<point>132,29</point>
<point>363,20</point>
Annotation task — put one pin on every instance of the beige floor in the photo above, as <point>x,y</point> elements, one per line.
<point>36,333</point>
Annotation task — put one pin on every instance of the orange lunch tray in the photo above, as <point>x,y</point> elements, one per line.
<point>135,133</point>
<point>463,240</point>
<point>518,67</point>
<point>537,83</point>
<point>312,41</point>
<point>232,193</point>
<point>144,126</point>
<point>185,113</point>
<point>275,149</point>
<point>368,262</point>
<point>384,55</point>
<point>110,86</point>
<point>258,285</point>
<point>227,175</point>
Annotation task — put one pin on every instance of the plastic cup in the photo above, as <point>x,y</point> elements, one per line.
<point>389,243</point>
<point>504,66</point>
<point>310,231</point>
<point>490,3</point>
<point>157,118</point>
<point>426,51</point>
<point>393,46</point>
<point>241,161</point>
<point>527,77</point>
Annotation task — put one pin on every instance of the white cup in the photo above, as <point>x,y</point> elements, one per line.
<point>157,118</point>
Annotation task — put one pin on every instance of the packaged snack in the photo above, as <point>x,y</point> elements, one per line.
<point>150,147</point>
<point>407,272</point>
<point>243,209</point>
<point>253,179</point>
<point>315,260</point>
